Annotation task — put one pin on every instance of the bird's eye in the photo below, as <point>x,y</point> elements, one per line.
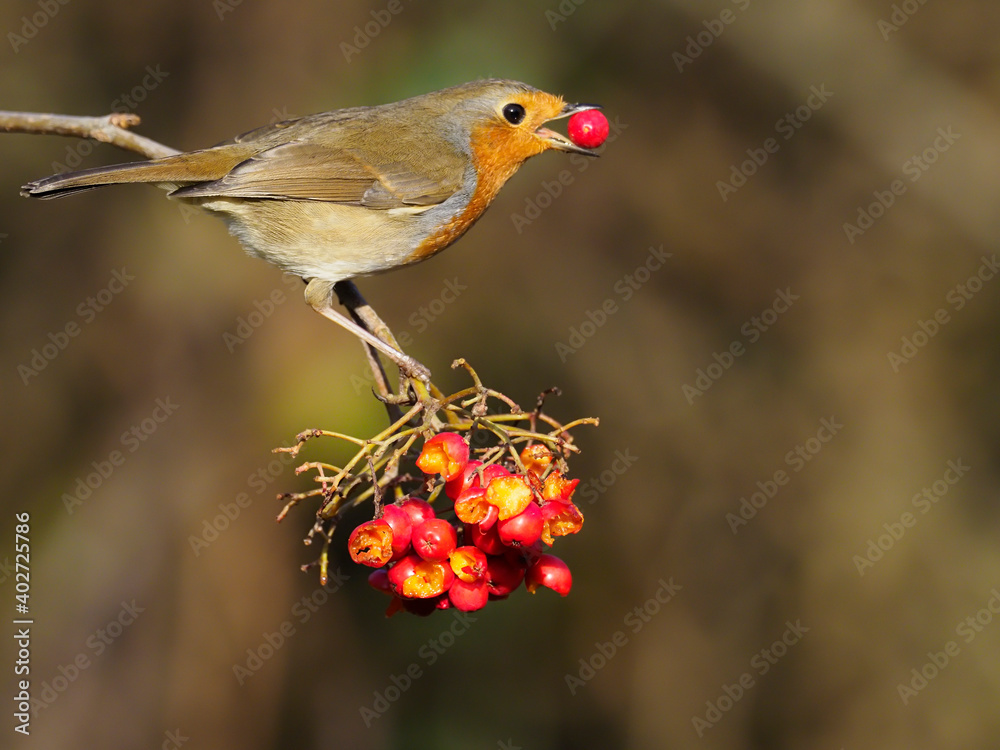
<point>513,113</point>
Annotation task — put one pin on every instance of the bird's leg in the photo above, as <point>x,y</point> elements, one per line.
<point>320,295</point>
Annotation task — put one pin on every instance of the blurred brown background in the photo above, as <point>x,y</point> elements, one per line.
<point>813,112</point>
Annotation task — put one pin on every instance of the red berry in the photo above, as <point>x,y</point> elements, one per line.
<point>488,540</point>
<point>468,597</point>
<point>556,487</point>
<point>402,528</point>
<point>588,128</point>
<point>468,563</point>
<point>524,529</point>
<point>536,459</point>
<point>467,479</point>
<point>503,575</point>
<point>560,519</point>
<point>471,506</point>
<point>493,471</point>
<point>511,494</point>
<point>551,572</point>
<point>434,540</point>
<point>492,514</point>
<point>371,543</point>
<point>446,454</point>
<point>416,578</point>
<point>418,510</point>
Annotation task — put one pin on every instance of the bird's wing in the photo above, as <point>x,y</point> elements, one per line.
<point>350,173</point>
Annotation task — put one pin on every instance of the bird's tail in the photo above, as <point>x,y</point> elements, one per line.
<point>171,171</point>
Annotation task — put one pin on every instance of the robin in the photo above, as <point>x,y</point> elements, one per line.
<point>358,191</point>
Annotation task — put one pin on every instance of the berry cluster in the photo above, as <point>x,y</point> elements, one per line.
<point>503,518</point>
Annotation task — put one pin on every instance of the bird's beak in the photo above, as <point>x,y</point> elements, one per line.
<point>558,140</point>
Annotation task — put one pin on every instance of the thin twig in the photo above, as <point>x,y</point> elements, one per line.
<point>108,129</point>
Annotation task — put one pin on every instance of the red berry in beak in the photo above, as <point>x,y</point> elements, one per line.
<point>588,129</point>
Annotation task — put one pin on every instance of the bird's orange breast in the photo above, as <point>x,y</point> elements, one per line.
<point>497,153</point>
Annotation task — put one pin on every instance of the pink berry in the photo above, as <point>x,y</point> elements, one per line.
<point>588,129</point>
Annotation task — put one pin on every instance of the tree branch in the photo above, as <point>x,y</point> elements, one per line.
<point>108,129</point>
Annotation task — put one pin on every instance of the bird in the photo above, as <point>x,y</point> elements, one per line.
<point>353,192</point>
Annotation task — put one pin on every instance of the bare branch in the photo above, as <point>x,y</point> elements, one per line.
<point>108,129</point>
